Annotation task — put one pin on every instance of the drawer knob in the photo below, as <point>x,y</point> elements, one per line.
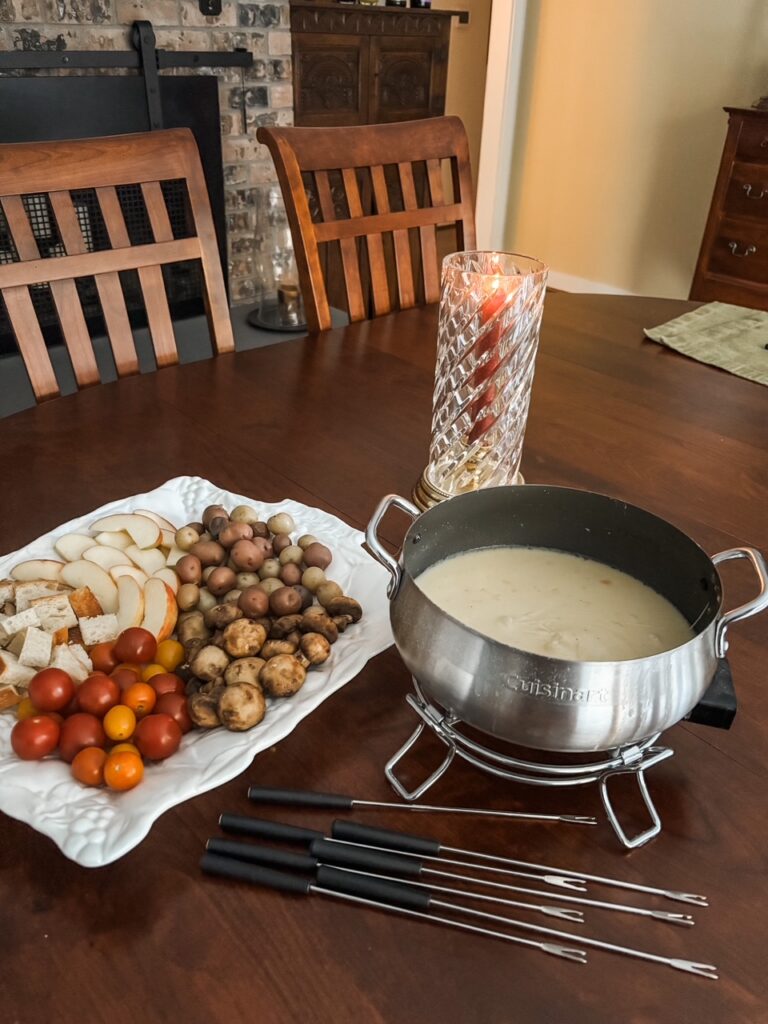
<point>748,190</point>
<point>748,251</point>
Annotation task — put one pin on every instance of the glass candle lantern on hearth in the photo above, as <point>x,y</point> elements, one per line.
<point>280,307</point>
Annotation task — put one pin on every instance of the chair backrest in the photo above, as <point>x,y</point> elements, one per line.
<point>383,183</point>
<point>80,190</point>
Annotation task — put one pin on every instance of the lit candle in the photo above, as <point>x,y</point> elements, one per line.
<point>487,346</point>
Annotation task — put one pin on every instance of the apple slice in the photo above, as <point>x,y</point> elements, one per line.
<point>87,574</point>
<point>144,532</point>
<point>169,576</point>
<point>130,596</point>
<point>174,555</point>
<point>72,545</point>
<point>160,610</point>
<point>106,557</point>
<point>38,569</point>
<point>164,524</point>
<point>167,538</point>
<point>129,570</point>
<point>149,560</point>
<point>118,539</point>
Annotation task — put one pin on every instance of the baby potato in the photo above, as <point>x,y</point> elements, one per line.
<point>234,532</point>
<point>284,601</point>
<point>221,580</point>
<point>318,555</point>
<point>187,597</point>
<point>281,523</point>
<point>312,578</point>
<point>327,591</point>
<point>305,540</point>
<point>189,569</point>
<point>209,552</point>
<point>270,569</point>
<point>246,555</point>
<point>292,554</point>
<point>254,602</point>
<point>290,574</point>
<point>270,585</point>
<point>247,579</point>
<point>186,537</point>
<point>244,514</point>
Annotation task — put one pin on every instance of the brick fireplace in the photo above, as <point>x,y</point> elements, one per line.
<point>262,95</point>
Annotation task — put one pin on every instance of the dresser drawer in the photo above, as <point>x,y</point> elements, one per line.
<point>752,146</point>
<point>740,250</point>
<point>747,194</point>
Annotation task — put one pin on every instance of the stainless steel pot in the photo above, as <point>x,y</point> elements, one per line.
<point>544,702</point>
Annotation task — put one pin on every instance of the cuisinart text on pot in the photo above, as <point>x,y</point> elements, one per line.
<point>555,692</point>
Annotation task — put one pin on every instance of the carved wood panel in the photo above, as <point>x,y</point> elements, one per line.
<point>331,80</point>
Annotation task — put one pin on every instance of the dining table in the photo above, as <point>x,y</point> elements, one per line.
<point>337,421</point>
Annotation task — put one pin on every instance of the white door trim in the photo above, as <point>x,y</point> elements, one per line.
<point>505,56</point>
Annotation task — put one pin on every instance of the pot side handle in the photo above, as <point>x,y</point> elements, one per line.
<point>743,611</point>
<point>375,545</point>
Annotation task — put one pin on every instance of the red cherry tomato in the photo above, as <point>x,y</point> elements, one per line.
<point>103,657</point>
<point>97,695</point>
<point>175,705</point>
<point>125,677</point>
<point>167,682</point>
<point>135,644</point>
<point>35,737</point>
<point>51,689</point>
<point>80,731</point>
<point>88,766</point>
<point>157,737</point>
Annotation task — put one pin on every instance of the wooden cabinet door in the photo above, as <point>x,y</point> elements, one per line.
<point>409,77</point>
<point>330,79</point>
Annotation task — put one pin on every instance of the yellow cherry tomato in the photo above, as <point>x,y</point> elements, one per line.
<point>25,709</point>
<point>151,670</point>
<point>123,748</point>
<point>119,722</point>
<point>170,654</point>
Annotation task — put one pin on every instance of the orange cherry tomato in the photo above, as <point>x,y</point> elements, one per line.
<point>170,654</point>
<point>103,657</point>
<point>123,770</point>
<point>131,747</point>
<point>119,722</point>
<point>140,698</point>
<point>25,709</point>
<point>151,670</point>
<point>88,766</point>
<point>136,644</point>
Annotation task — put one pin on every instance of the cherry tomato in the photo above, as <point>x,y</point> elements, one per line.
<point>167,683</point>
<point>135,644</point>
<point>51,689</point>
<point>125,677</point>
<point>88,766</point>
<point>140,698</point>
<point>151,670</point>
<point>175,705</point>
<point>119,722</point>
<point>103,657</point>
<point>170,654</point>
<point>35,737</point>
<point>157,736</point>
<point>79,731</point>
<point>25,709</point>
<point>136,669</point>
<point>97,694</point>
<point>123,770</point>
<point>118,747</point>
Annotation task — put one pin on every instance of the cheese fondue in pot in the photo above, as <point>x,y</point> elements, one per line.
<point>555,603</point>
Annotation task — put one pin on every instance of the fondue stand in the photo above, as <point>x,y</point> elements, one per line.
<point>717,708</point>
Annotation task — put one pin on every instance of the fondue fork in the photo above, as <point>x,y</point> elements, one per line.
<point>259,827</point>
<point>230,867</point>
<point>337,801</point>
<point>404,842</point>
<point>273,858</point>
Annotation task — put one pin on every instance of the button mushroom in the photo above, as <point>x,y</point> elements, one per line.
<point>222,614</point>
<point>274,647</point>
<point>282,676</point>
<point>345,606</point>
<point>284,625</point>
<point>193,628</point>
<point>244,670</point>
<point>319,623</point>
<point>204,709</point>
<point>241,706</point>
<point>315,649</point>
<point>244,638</point>
<point>209,663</point>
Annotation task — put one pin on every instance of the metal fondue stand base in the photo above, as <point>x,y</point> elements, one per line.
<point>426,495</point>
<point>717,708</point>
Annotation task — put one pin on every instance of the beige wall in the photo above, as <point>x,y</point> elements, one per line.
<point>621,130</point>
<point>466,68</point>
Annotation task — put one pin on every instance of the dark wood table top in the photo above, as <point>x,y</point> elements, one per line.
<point>337,422</point>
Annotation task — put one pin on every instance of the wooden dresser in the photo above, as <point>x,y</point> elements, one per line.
<point>368,65</point>
<point>733,261</point>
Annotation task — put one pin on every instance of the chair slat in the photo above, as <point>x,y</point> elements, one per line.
<point>150,279</point>
<point>24,323</point>
<point>107,285</point>
<point>427,236</point>
<point>348,247</point>
<point>379,286</point>
<point>157,211</point>
<point>65,298</point>
<point>403,264</point>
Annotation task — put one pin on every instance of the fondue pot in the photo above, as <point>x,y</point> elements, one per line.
<point>545,702</point>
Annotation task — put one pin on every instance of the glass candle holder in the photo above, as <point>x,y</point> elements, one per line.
<point>488,335</point>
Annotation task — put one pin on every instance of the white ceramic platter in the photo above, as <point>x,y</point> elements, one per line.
<point>96,826</point>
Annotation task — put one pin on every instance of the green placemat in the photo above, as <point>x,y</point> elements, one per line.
<point>731,337</point>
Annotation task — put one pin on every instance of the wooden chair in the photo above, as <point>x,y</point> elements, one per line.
<point>37,182</point>
<point>382,183</point>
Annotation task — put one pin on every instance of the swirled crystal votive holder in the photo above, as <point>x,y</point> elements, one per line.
<point>488,335</point>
